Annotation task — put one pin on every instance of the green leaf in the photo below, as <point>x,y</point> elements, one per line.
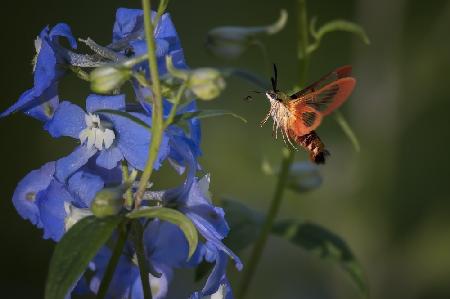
<point>342,122</point>
<point>128,115</point>
<point>204,114</point>
<point>74,252</point>
<point>244,222</point>
<point>332,26</point>
<point>323,243</point>
<point>172,216</point>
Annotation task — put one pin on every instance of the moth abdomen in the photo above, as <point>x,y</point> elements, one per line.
<point>314,145</point>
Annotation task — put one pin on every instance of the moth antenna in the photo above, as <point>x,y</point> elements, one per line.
<point>275,77</point>
<point>274,83</point>
<point>256,91</point>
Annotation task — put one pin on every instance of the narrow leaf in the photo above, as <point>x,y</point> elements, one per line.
<point>172,216</point>
<point>128,115</point>
<point>342,122</point>
<point>74,252</point>
<point>204,114</point>
<point>324,244</point>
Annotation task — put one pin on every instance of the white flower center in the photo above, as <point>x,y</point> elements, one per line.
<point>95,135</point>
<point>73,215</point>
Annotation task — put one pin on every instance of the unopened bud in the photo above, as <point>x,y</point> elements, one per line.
<point>206,83</point>
<point>108,202</point>
<point>304,176</point>
<point>230,42</point>
<point>105,79</point>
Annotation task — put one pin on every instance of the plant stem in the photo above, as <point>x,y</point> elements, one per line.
<point>250,268</point>
<point>157,118</point>
<point>288,159</point>
<point>114,260</point>
<point>176,102</point>
<point>137,234</point>
<point>128,194</point>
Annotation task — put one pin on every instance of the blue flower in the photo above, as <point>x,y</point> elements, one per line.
<point>111,138</point>
<point>49,66</point>
<point>126,281</point>
<point>55,206</point>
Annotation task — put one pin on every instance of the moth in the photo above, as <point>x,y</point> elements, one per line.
<point>297,116</point>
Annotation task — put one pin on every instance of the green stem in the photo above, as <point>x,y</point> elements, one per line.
<point>303,42</point>
<point>176,102</point>
<point>250,267</point>
<point>288,159</point>
<point>161,8</point>
<point>157,118</point>
<point>137,234</point>
<point>128,193</point>
<point>112,265</point>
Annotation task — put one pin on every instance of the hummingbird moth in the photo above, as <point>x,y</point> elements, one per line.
<point>298,115</point>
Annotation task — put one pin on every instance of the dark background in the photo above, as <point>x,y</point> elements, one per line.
<point>390,201</point>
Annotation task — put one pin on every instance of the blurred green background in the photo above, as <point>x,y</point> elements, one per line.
<point>390,201</point>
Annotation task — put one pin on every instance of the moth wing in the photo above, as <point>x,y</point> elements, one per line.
<point>328,98</point>
<point>304,119</point>
<point>342,72</point>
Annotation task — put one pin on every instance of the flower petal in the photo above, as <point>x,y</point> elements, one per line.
<point>46,71</point>
<point>26,193</point>
<point>109,158</point>
<point>127,21</point>
<point>84,185</point>
<point>62,29</point>
<point>68,120</point>
<point>53,213</point>
<point>133,140</point>
<point>66,166</point>
<point>96,102</point>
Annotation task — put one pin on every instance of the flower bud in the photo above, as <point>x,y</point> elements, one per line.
<point>231,41</point>
<point>108,202</point>
<point>108,78</point>
<point>304,176</point>
<point>206,83</point>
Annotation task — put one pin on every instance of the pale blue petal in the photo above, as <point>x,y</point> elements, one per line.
<point>96,102</point>
<point>68,120</point>
<point>66,166</point>
<point>83,186</point>
<point>62,29</point>
<point>109,158</point>
<point>53,213</point>
<point>26,193</point>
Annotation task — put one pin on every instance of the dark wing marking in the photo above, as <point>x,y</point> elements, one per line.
<point>342,72</point>
<point>322,99</point>
<point>308,118</point>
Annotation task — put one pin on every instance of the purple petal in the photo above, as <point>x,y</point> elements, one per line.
<point>25,99</point>
<point>109,158</point>
<point>217,274</point>
<point>68,120</point>
<point>62,29</point>
<point>133,140</point>
<point>26,193</point>
<point>127,21</point>
<point>53,213</point>
<point>46,71</point>
<point>66,166</point>
<point>96,102</point>
<point>210,234</point>
<point>84,185</point>
<point>45,111</point>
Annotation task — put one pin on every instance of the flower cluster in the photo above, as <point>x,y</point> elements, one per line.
<point>114,137</point>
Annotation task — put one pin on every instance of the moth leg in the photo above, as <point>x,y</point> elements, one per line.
<point>266,118</point>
